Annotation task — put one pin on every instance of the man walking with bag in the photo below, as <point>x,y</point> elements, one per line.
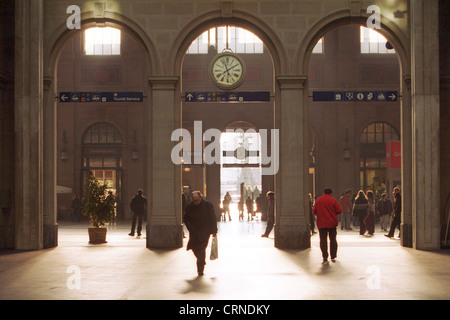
<point>201,222</point>
<point>326,208</point>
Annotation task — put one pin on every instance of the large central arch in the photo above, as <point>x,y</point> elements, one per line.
<point>292,221</point>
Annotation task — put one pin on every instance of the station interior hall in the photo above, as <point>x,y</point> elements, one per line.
<point>234,99</point>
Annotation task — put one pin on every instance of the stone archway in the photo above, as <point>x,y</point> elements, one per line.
<point>414,128</point>
<point>292,229</point>
<point>36,226</point>
<point>400,42</point>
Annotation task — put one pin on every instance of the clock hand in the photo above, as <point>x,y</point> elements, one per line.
<point>233,66</point>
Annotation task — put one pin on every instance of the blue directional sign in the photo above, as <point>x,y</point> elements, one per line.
<point>370,96</point>
<point>64,97</point>
<point>101,97</point>
<point>359,96</point>
<point>259,96</point>
<point>391,95</point>
<point>349,96</point>
<point>324,96</point>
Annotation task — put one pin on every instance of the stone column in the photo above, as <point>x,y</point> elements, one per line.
<point>49,158</point>
<point>292,207</point>
<point>213,186</point>
<point>163,178</point>
<point>29,125</point>
<point>425,124</point>
<point>406,169</point>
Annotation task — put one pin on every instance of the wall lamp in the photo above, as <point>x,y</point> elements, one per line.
<point>134,152</point>
<point>64,152</point>
<point>346,148</point>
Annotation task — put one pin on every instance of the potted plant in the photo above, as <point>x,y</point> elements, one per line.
<point>100,205</point>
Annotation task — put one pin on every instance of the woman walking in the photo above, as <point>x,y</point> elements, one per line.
<point>370,218</point>
<point>360,210</point>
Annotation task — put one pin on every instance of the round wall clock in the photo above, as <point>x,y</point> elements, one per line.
<point>227,70</point>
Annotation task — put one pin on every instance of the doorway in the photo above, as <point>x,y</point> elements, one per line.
<point>240,174</point>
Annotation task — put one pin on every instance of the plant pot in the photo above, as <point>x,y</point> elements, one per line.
<point>97,235</point>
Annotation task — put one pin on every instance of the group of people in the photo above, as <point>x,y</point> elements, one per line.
<point>364,210</point>
<point>201,221</point>
<point>249,205</point>
<point>327,208</point>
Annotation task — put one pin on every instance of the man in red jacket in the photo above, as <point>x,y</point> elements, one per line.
<point>326,208</point>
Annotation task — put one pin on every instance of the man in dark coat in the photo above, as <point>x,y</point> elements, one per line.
<point>138,207</point>
<point>200,220</point>
<point>397,212</point>
<point>270,214</point>
<point>384,210</point>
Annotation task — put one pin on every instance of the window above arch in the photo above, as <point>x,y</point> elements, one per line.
<point>102,133</point>
<point>373,42</point>
<point>102,41</point>
<point>237,39</point>
<point>379,132</point>
<point>318,48</point>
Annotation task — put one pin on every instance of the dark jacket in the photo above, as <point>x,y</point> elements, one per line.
<point>271,208</point>
<point>360,207</point>
<point>397,206</point>
<point>201,223</point>
<point>384,207</point>
<point>138,204</point>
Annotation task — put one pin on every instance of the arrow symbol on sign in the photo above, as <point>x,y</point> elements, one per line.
<point>392,96</point>
<point>63,97</point>
<point>189,96</point>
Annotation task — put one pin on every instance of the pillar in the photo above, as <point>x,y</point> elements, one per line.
<point>213,187</point>
<point>28,125</point>
<point>163,177</point>
<point>49,165</point>
<point>425,124</point>
<point>292,206</point>
<point>406,169</point>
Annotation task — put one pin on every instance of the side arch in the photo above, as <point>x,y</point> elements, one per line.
<point>51,53</point>
<point>400,40</point>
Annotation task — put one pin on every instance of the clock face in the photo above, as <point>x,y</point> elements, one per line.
<point>227,71</point>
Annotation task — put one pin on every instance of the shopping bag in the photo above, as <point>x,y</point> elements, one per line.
<point>214,249</point>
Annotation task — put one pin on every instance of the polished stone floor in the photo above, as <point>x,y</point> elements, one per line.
<point>248,268</point>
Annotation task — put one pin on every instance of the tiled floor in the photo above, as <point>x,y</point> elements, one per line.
<point>248,268</point>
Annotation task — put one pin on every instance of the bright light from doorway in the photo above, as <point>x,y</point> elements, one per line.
<point>241,162</point>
